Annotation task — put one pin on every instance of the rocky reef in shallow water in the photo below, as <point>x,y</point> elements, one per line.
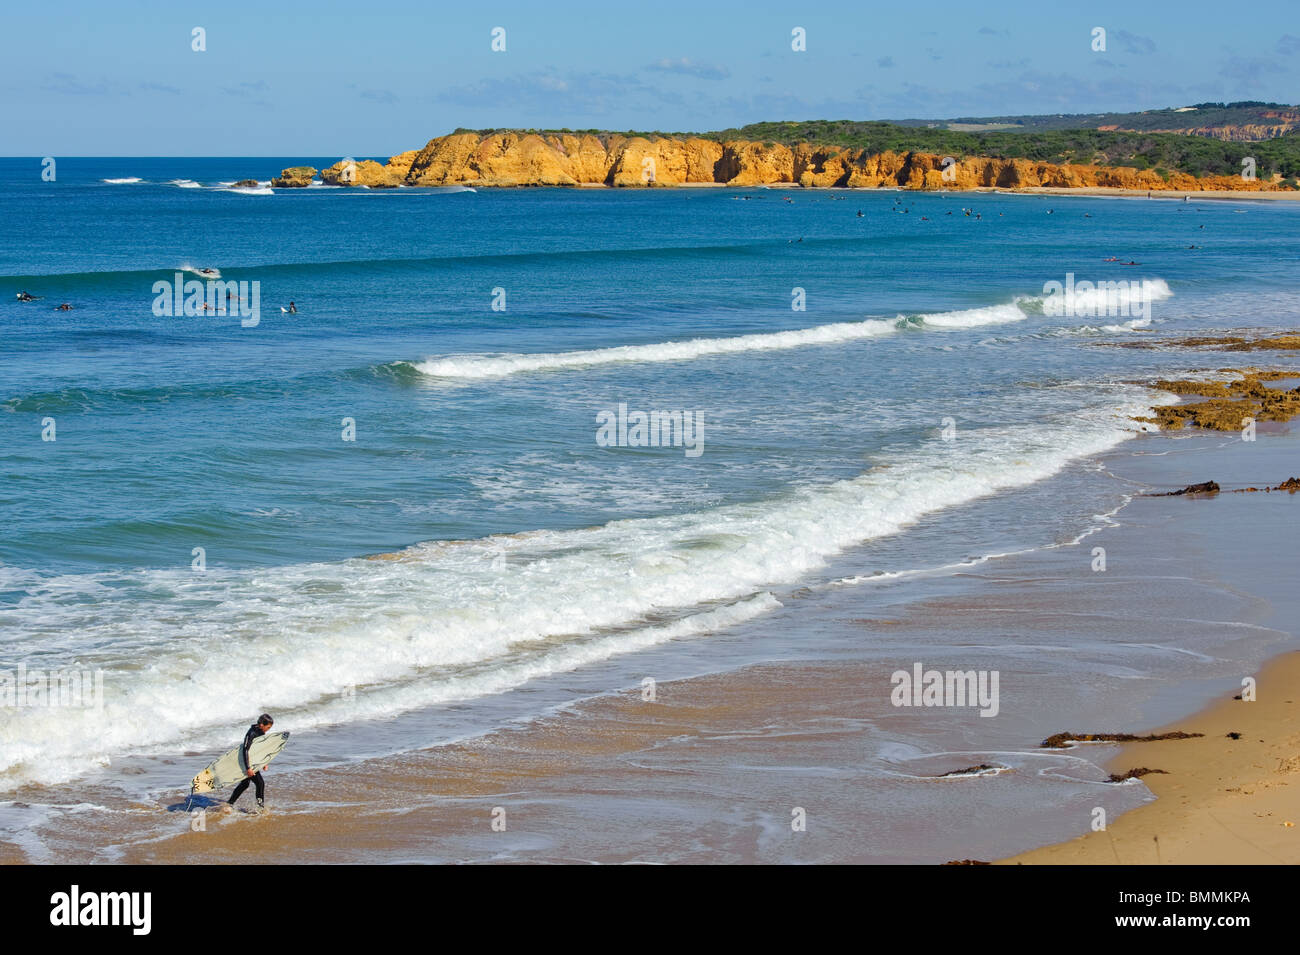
<point>1227,404</point>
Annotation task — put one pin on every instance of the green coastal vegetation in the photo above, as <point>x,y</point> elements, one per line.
<point>1186,119</point>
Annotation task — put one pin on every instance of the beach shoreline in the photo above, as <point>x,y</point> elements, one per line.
<point>712,766</point>
<point>1173,195</point>
<point>1230,796</point>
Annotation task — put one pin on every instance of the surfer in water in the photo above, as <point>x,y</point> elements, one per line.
<point>260,728</point>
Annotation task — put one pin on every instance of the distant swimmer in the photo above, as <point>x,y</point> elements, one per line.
<point>859,213</point>
<point>1087,215</point>
<point>1113,258</point>
<point>1130,262</point>
<point>208,272</point>
<point>27,297</point>
<point>1049,212</point>
<point>65,307</point>
<point>292,309</point>
<point>925,218</point>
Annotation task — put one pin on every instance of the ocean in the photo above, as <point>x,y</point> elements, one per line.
<point>392,517</point>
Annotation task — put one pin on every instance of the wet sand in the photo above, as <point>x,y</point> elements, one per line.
<point>595,783</point>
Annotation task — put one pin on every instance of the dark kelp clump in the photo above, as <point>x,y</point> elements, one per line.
<point>1205,487</point>
<point>1291,485</point>
<point>1135,774</point>
<point>1060,740</point>
<point>970,770</point>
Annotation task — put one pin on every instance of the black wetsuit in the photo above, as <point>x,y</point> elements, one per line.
<point>253,733</point>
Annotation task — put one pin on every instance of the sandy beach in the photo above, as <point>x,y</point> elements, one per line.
<point>1228,797</point>
<point>1282,195</point>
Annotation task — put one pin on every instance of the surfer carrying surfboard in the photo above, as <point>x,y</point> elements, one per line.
<point>260,728</point>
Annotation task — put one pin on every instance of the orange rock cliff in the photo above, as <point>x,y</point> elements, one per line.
<point>530,159</point>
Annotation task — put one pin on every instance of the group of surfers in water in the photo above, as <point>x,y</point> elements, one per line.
<point>25,296</point>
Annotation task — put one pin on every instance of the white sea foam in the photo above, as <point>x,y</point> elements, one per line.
<point>471,367</point>
<point>250,190</point>
<point>119,182</point>
<point>497,366</point>
<point>458,619</point>
<point>975,317</point>
<point>1133,325</point>
<point>1119,298</point>
<point>186,184</point>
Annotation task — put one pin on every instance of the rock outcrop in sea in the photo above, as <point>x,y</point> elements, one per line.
<point>294,177</point>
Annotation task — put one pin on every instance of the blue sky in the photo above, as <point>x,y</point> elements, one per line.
<point>325,78</point>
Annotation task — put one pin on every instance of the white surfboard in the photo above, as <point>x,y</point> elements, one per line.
<point>229,769</point>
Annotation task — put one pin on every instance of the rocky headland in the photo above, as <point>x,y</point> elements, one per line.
<point>609,159</point>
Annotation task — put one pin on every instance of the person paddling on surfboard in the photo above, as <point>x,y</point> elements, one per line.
<point>260,728</point>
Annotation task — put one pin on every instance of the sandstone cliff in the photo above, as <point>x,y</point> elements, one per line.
<point>531,159</point>
<point>364,172</point>
<point>1274,123</point>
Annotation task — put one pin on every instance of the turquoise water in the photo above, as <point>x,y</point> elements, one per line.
<point>526,547</point>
